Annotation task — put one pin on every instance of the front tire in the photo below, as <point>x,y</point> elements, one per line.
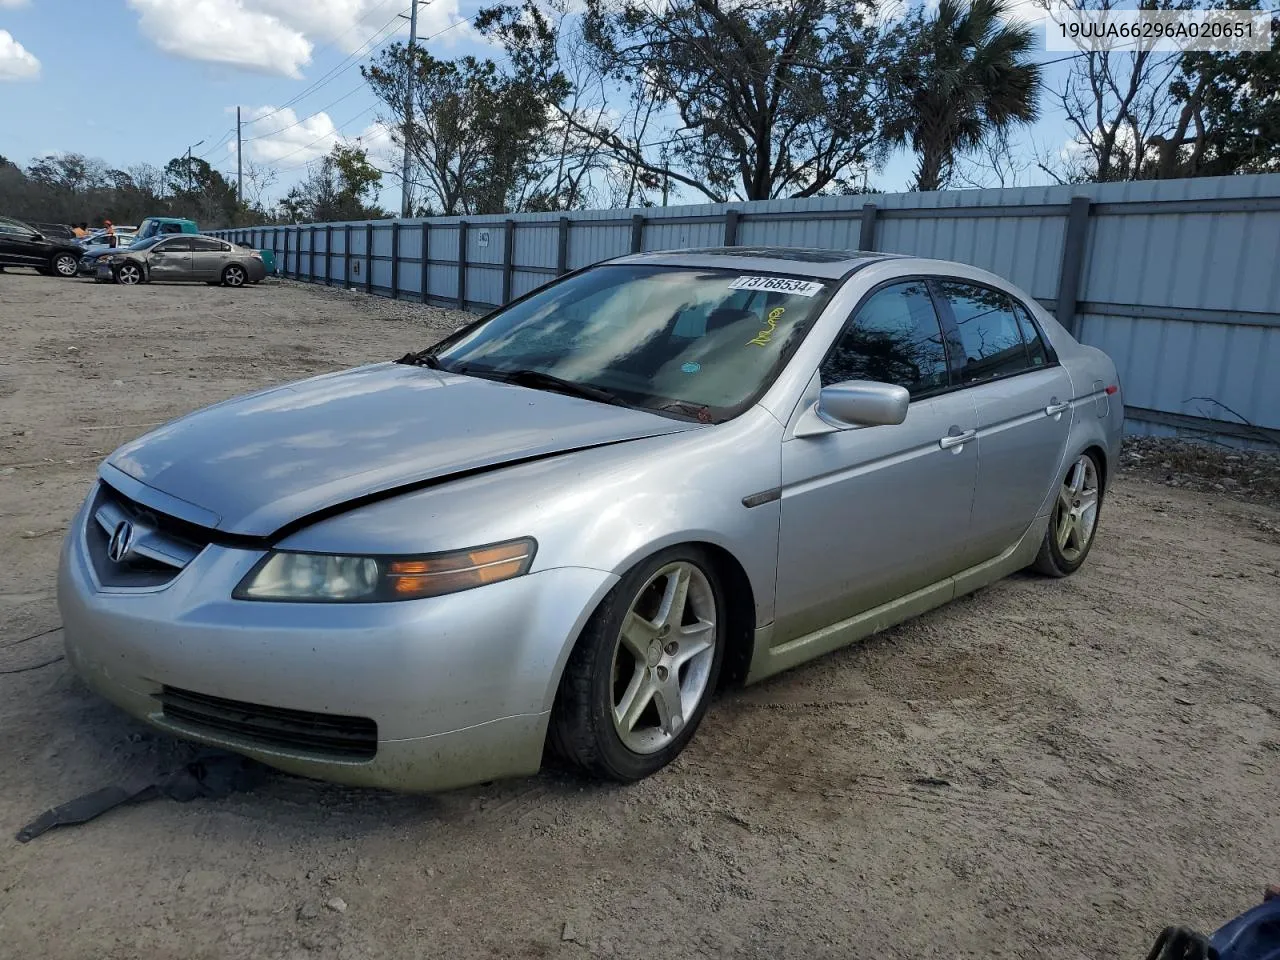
<point>640,678</point>
<point>65,266</point>
<point>129,274</point>
<point>234,275</point>
<point>1073,522</point>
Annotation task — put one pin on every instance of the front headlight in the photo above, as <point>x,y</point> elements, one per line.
<point>327,578</point>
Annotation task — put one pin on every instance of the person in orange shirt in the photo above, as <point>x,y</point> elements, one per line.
<point>79,230</point>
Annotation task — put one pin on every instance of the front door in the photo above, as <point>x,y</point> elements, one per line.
<point>18,247</point>
<point>872,513</point>
<point>171,259</point>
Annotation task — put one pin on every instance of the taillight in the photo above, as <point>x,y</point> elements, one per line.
<point>1112,389</point>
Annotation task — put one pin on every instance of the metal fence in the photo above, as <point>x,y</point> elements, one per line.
<point>1179,280</point>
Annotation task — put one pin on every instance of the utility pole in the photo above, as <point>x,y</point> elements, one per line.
<point>406,188</point>
<point>239,160</point>
<point>189,149</point>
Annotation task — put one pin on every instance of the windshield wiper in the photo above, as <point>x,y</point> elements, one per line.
<point>546,381</point>
<point>424,358</point>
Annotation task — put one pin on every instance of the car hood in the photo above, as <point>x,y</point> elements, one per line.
<point>259,463</point>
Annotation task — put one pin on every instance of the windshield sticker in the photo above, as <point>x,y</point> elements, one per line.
<point>691,367</point>
<point>762,338</point>
<point>801,288</point>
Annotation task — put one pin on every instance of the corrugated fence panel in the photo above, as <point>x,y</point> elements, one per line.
<point>1178,279</point>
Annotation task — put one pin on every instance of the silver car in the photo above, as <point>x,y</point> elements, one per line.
<point>181,257</point>
<point>571,521</point>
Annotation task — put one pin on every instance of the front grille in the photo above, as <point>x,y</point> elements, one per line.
<point>161,547</point>
<point>322,734</point>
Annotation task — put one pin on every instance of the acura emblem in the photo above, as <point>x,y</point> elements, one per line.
<point>121,541</point>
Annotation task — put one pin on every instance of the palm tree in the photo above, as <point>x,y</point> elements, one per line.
<point>965,77</point>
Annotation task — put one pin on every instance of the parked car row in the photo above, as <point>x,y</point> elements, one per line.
<point>166,248</point>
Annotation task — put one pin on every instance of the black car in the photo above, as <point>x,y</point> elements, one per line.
<point>22,245</point>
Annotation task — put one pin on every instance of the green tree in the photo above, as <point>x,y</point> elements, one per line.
<point>774,100</point>
<point>342,186</point>
<point>474,128</point>
<point>965,77</point>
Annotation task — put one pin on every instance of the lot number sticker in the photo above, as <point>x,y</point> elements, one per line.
<point>801,288</point>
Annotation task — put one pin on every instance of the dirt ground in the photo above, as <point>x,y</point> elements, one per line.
<point>1045,769</point>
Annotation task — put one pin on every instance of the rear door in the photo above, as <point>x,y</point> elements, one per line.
<point>207,257</point>
<point>171,259</point>
<point>1023,398</point>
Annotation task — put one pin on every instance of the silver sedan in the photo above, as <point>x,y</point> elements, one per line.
<point>571,521</point>
<point>181,257</point>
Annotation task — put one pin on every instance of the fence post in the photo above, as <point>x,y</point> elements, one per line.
<point>562,250</point>
<point>462,264</point>
<point>426,256</point>
<point>637,232</point>
<point>283,249</point>
<point>368,257</point>
<point>346,257</point>
<point>395,259</point>
<point>311,250</point>
<point>867,235</point>
<point>730,228</point>
<point>1074,238</point>
<point>508,248</point>
<point>328,252</point>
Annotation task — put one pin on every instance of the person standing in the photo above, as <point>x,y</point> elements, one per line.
<point>79,230</point>
<point>110,233</point>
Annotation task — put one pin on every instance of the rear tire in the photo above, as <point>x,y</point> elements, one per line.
<point>1073,521</point>
<point>64,265</point>
<point>630,700</point>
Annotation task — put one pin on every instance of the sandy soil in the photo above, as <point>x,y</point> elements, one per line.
<point>1047,768</point>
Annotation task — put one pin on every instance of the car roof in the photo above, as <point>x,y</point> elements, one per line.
<point>809,261</point>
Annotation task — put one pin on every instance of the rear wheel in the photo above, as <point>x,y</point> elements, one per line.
<point>1073,520</point>
<point>65,265</point>
<point>640,678</point>
<point>234,275</point>
<point>129,274</point>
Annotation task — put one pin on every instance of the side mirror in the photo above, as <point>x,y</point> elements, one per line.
<point>854,403</point>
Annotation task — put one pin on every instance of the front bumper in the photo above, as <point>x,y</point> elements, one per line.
<point>460,687</point>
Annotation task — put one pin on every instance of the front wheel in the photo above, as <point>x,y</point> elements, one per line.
<point>1073,520</point>
<point>65,265</point>
<point>640,678</point>
<point>234,275</point>
<point>129,274</point>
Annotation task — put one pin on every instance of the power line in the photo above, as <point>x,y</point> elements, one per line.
<point>362,52</point>
<point>302,120</point>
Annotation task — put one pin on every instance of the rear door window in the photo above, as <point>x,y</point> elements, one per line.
<point>1037,352</point>
<point>990,336</point>
<point>176,245</point>
<point>204,244</point>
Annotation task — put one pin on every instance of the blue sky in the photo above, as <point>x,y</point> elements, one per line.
<point>292,66</point>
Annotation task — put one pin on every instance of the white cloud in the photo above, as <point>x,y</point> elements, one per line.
<point>224,31</point>
<point>279,137</point>
<point>15,62</point>
<point>1022,12</point>
<point>279,36</point>
<point>12,4</point>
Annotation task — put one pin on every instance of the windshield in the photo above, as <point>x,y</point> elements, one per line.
<point>693,342</point>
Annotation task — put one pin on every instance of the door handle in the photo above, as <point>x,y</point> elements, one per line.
<point>956,439</point>
<point>1054,408</point>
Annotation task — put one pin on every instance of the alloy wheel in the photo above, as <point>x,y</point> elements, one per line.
<point>129,274</point>
<point>234,276</point>
<point>663,656</point>
<point>66,265</point>
<point>1076,511</point>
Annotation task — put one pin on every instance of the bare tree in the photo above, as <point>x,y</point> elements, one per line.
<point>997,162</point>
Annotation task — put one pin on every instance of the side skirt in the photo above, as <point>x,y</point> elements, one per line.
<point>770,659</point>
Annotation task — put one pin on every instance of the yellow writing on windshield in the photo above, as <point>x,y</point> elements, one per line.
<point>762,338</point>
